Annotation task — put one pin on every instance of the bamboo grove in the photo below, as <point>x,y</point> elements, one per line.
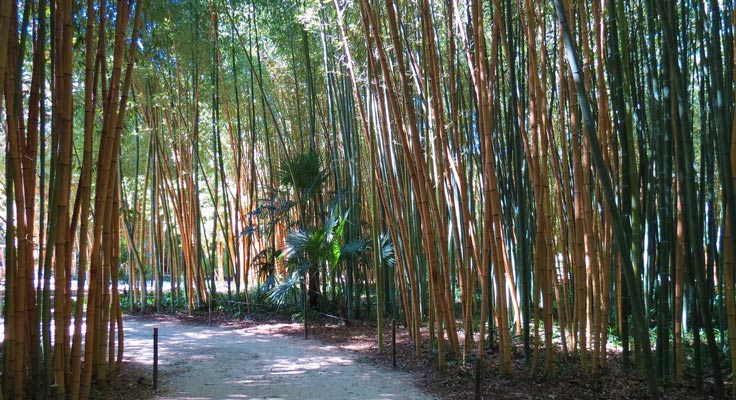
<point>47,332</point>
<point>551,176</point>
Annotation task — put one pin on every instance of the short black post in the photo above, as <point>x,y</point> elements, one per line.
<point>393,342</point>
<point>478,368</point>
<point>155,358</point>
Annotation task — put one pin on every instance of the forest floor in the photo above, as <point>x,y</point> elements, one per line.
<point>266,357</point>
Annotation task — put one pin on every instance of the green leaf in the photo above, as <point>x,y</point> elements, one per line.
<point>281,292</point>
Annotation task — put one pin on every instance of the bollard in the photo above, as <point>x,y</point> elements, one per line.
<point>393,342</point>
<point>306,327</point>
<point>155,358</point>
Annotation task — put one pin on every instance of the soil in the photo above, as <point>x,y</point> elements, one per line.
<point>267,357</point>
<point>253,361</point>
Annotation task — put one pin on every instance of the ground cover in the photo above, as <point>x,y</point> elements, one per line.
<point>210,357</point>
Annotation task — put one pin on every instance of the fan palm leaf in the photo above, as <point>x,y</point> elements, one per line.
<point>289,287</point>
<point>304,173</point>
<point>387,253</point>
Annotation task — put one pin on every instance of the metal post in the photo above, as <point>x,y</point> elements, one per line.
<point>306,326</point>
<point>155,358</point>
<point>393,342</point>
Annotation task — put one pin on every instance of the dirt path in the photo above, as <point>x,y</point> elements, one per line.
<point>202,363</point>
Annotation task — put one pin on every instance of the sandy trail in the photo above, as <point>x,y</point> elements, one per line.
<point>203,363</point>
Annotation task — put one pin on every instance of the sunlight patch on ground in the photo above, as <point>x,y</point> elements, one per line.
<point>268,329</point>
<point>256,379</point>
<point>243,396</point>
<point>197,335</point>
<point>202,357</point>
<point>359,345</point>
<point>301,365</point>
<point>324,347</point>
<point>256,339</point>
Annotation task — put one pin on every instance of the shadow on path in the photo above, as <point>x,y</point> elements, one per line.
<point>202,363</point>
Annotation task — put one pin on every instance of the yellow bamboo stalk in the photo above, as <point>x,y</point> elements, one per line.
<point>476,63</point>
<point>417,171</point>
<point>465,235</point>
<point>115,319</point>
<point>427,199</point>
<point>439,202</point>
<point>413,318</point>
<point>403,261</point>
<point>85,194</point>
<point>101,328</point>
<point>563,240</point>
<point>16,271</point>
<point>483,80</point>
<point>579,238</point>
<point>605,133</point>
<point>114,105</point>
<point>62,267</point>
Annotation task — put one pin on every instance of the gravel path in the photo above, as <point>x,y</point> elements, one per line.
<point>203,363</point>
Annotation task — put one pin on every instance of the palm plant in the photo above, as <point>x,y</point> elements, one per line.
<point>307,249</point>
<point>304,173</point>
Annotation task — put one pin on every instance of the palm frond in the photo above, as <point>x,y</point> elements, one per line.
<point>304,173</point>
<point>301,242</point>
<point>290,287</point>
<point>356,247</point>
<point>387,253</point>
<point>335,224</point>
